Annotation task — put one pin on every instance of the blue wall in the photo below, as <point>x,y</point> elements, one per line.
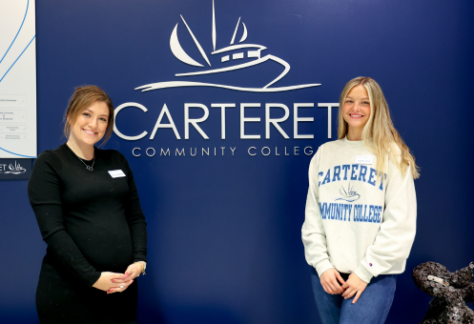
<point>224,231</point>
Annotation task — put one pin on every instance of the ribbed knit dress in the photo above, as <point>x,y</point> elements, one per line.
<point>91,222</point>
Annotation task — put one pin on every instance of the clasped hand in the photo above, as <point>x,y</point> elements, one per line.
<point>112,282</point>
<point>333,284</point>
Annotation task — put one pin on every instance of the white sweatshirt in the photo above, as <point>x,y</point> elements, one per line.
<point>356,220</point>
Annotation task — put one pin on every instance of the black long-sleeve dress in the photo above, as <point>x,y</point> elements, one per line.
<point>91,222</point>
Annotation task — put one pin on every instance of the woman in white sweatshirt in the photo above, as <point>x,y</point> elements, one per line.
<point>360,218</point>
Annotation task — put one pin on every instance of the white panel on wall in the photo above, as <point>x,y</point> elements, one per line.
<point>17,79</point>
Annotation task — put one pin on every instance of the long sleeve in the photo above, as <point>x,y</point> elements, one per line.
<point>312,231</point>
<point>44,191</point>
<point>397,232</point>
<point>135,219</point>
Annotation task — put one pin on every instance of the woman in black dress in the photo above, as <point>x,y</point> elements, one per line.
<point>87,207</point>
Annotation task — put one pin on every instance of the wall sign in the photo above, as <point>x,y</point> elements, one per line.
<point>234,56</point>
<point>17,79</point>
<point>14,169</point>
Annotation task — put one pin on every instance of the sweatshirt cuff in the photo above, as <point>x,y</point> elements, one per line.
<point>363,274</point>
<point>323,266</point>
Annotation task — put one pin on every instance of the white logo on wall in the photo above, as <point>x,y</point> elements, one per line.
<point>14,169</point>
<point>234,52</point>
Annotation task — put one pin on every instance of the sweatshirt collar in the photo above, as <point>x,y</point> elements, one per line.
<point>360,143</point>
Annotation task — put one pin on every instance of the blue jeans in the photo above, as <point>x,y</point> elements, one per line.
<point>371,308</point>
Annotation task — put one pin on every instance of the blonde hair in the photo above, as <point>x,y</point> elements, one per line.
<point>379,128</point>
<point>82,98</point>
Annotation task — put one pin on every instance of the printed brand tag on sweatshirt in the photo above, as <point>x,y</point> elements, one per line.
<point>116,173</point>
<point>364,159</point>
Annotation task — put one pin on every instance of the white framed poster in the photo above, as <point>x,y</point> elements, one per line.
<point>17,79</point>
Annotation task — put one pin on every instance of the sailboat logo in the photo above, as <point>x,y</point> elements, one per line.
<point>229,54</point>
<point>348,195</point>
<point>15,169</point>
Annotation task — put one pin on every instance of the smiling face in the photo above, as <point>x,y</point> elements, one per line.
<point>356,110</point>
<point>90,125</point>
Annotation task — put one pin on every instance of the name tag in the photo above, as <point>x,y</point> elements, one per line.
<point>116,173</point>
<point>364,159</point>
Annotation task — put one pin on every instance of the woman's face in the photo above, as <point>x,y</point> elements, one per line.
<point>91,124</point>
<point>356,108</point>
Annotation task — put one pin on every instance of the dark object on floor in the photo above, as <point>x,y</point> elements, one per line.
<point>451,292</point>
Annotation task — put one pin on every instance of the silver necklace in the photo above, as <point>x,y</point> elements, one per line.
<point>88,167</point>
